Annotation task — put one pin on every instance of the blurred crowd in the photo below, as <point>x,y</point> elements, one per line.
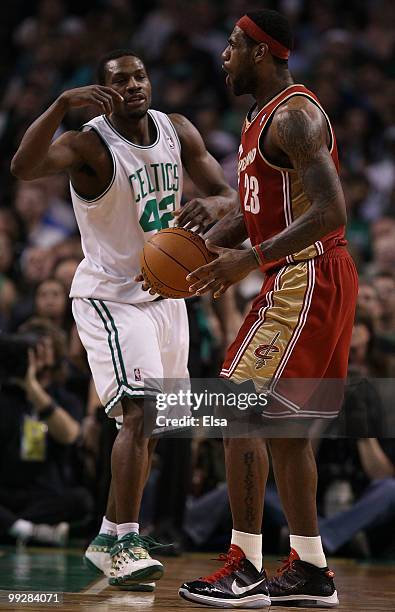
<point>345,53</point>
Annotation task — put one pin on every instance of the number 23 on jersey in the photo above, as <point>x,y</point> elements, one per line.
<point>251,197</point>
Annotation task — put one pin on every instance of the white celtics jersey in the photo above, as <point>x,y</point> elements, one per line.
<point>145,187</point>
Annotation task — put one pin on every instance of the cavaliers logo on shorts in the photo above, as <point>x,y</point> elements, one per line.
<point>262,352</point>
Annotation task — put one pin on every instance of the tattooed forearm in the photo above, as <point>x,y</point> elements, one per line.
<point>230,231</point>
<point>250,512</point>
<point>297,236</point>
<point>302,138</point>
<point>326,213</point>
<point>321,183</point>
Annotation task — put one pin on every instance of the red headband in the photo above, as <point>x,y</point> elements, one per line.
<point>256,33</point>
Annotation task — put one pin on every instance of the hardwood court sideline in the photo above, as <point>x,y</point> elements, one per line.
<point>362,587</point>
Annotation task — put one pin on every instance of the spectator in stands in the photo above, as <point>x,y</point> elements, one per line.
<point>35,265</point>
<point>374,503</point>
<point>8,292</point>
<point>362,358</point>
<point>39,425</point>
<point>79,371</point>
<point>32,205</point>
<point>369,303</point>
<point>65,269</point>
<point>51,302</point>
<point>50,20</point>
<point>384,284</point>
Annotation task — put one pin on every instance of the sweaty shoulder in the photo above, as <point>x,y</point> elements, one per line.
<point>300,124</point>
<point>92,173</point>
<point>191,141</point>
<point>182,125</point>
<point>88,141</point>
<point>90,148</point>
<point>83,145</point>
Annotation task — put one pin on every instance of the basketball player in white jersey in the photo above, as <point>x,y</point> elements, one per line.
<point>125,170</point>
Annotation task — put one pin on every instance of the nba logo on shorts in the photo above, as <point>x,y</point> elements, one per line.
<point>137,374</point>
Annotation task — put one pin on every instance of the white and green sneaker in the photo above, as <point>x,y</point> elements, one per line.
<point>131,563</point>
<point>97,555</point>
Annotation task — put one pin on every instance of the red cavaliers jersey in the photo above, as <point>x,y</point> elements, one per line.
<point>272,197</point>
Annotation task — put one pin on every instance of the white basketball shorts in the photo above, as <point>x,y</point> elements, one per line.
<point>129,343</point>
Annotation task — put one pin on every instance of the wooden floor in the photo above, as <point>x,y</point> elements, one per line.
<point>361,587</point>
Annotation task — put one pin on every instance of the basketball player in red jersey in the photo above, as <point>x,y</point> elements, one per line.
<point>299,326</point>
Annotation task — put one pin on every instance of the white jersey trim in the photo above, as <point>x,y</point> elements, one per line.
<point>158,133</point>
<point>114,171</point>
<point>175,132</point>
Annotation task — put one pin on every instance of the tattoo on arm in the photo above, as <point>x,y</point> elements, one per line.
<point>249,490</point>
<point>229,232</point>
<point>298,135</point>
<point>301,138</point>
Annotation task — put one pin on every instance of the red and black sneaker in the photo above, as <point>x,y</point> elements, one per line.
<point>302,584</point>
<point>238,584</point>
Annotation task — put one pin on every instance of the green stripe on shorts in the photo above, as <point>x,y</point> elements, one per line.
<point>124,377</point>
<point>105,323</point>
<point>133,392</point>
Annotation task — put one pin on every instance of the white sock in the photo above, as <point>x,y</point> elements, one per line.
<point>108,528</point>
<point>251,545</point>
<point>22,529</point>
<point>124,528</point>
<point>309,549</point>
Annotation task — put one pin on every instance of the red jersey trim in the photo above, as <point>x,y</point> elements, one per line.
<point>247,122</point>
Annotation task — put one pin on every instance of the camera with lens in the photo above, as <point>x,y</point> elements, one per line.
<point>14,354</point>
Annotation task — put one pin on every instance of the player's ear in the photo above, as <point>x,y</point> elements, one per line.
<point>260,52</point>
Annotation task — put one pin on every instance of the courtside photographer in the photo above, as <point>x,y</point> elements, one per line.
<point>39,425</point>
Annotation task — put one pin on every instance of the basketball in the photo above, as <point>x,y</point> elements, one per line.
<point>169,256</point>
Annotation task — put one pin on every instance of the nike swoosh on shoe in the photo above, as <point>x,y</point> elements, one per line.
<point>240,590</point>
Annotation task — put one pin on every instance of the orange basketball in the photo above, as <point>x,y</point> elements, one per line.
<point>169,256</point>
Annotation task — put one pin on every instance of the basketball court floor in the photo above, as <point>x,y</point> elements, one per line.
<point>362,587</point>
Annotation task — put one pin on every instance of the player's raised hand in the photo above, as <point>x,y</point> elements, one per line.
<point>145,286</point>
<point>100,96</point>
<point>230,267</point>
<point>198,213</point>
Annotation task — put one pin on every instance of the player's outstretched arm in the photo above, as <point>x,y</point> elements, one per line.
<point>230,231</point>
<point>37,155</point>
<point>218,197</point>
<point>299,130</point>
